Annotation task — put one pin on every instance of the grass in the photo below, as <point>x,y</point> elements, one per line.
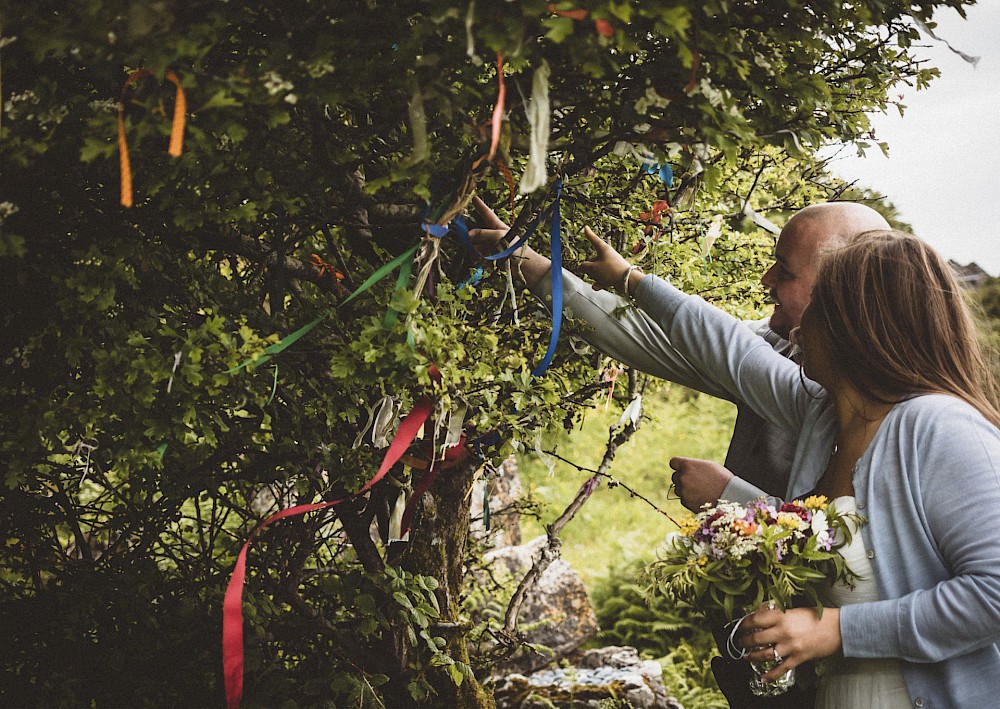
<point>614,528</point>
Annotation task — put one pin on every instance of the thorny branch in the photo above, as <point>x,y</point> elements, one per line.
<point>550,552</point>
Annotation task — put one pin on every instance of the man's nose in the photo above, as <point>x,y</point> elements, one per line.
<point>768,278</point>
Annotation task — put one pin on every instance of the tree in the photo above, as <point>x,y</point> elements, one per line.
<point>150,421</point>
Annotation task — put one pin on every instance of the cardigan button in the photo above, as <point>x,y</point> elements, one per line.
<point>861,504</point>
<point>918,702</point>
<point>871,555</point>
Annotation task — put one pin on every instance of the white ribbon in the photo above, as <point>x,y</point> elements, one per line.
<point>535,175</point>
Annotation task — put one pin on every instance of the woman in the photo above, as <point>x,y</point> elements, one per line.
<point>900,417</point>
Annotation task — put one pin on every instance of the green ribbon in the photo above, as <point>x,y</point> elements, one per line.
<point>403,260</point>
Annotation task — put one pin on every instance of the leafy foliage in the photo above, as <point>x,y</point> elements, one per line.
<point>660,629</point>
<point>137,455</point>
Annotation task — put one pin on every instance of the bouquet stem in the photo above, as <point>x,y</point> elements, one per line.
<point>760,688</point>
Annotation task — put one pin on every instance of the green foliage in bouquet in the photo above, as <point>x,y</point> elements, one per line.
<point>733,556</point>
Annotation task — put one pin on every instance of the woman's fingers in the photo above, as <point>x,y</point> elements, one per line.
<point>793,637</point>
<point>486,237</point>
<point>606,267</point>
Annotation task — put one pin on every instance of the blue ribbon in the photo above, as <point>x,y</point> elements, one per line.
<point>557,285</point>
<point>665,172</point>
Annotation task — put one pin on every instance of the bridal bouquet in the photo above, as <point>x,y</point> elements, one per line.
<point>733,557</point>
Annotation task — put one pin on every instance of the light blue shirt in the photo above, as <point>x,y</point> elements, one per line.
<point>929,484</point>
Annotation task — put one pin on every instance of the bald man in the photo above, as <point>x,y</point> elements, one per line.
<point>760,455</point>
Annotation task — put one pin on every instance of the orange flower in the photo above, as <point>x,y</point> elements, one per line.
<point>747,529</point>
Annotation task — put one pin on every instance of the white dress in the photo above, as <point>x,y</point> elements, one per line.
<point>858,683</point>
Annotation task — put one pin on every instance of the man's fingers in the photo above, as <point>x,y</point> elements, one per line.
<point>488,215</point>
<point>596,241</point>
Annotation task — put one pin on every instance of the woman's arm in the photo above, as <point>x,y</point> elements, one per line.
<point>632,338</point>
<point>729,353</point>
<point>936,546</point>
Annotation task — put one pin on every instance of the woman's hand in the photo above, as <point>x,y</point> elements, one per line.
<point>793,636</point>
<point>531,265</point>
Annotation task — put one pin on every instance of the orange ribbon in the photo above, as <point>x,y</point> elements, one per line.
<point>324,267</point>
<point>602,27</point>
<point>693,81</point>
<point>510,180</point>
<point>497,118</point>
<point>176,129</point>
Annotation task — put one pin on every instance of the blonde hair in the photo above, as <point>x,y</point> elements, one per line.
<point>897,324</point>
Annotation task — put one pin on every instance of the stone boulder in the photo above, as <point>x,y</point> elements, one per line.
<point>596,676</point>
<point>556,612</point>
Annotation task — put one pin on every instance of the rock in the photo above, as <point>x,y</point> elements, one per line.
<point>556,613</point>
<point>599,675</point>
<point>505,516</point>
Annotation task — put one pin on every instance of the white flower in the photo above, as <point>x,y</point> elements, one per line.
<point>820,529</point>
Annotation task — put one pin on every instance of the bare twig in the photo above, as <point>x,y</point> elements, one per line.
<point>550,552</point>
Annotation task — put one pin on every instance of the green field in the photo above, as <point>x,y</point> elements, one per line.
<point>614,528</point>
<point>614,531</point>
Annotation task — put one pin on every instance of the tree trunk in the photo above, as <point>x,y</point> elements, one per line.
<point>437,548</point>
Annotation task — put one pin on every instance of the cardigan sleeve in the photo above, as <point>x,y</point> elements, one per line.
<point>937,552</point>
<point>729,353</point>
<point>632,338</point>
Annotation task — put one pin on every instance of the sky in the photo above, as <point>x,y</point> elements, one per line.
<point>943,169</point>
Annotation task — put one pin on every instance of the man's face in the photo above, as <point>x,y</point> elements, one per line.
<point>790,279</point>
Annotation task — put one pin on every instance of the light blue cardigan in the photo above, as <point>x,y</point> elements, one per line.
<point>929,484</point>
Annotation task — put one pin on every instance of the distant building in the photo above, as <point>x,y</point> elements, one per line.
<point>971,275</point>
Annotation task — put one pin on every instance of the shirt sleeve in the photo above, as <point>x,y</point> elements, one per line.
<point>633,338</point>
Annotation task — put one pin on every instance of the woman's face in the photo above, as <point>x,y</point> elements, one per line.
<point>816,361</point>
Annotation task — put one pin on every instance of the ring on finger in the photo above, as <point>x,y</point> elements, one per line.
<point>777,658</point>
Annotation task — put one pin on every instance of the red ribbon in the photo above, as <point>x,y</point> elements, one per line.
<point>695,64</point>
<point>571,14</point>
<point>452,457</point>
<point>232,606</point>
<point>498,108</point>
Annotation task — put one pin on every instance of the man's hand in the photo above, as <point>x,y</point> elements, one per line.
<point>607,267</point>
<point>698,482</point>
<point>493,230</point>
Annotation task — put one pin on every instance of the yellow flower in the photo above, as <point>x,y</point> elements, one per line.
<point>815,502</point>
<point>790,520</point>
<point>688,526</point>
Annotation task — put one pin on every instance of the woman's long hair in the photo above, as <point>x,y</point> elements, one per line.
<point>897,324</point>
